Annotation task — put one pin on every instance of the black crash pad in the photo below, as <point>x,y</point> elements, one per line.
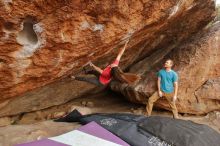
<point>150,131</point>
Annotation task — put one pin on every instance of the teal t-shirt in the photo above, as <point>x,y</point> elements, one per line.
<point>167,80</point>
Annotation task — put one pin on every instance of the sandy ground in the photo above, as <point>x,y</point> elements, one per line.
<point>32,126</point>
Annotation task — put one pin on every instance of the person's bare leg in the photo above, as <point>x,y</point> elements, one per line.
<point>96,68</point>
<point>90,68</point>
<point>93,69</point>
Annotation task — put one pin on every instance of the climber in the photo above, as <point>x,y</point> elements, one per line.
<point>104,77</point>
<point>167,87</point>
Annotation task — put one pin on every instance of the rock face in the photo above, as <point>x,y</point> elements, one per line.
<point>210,89</point>
<point>197,62</point>
<point>42,42</point>
<point>9,135</point>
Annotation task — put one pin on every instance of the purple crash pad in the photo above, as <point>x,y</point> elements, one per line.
<point>95,129</point>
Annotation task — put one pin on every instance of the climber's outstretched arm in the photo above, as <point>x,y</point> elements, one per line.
<point>121,52</point>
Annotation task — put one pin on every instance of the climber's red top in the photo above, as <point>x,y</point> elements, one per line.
<point>106,76</point>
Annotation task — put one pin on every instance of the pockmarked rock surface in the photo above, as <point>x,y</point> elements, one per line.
<point>42,42</point>
<point>197,62</point>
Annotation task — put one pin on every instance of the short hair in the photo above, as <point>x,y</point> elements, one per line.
<point>170,61</point>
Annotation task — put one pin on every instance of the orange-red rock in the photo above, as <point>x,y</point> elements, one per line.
<point>44,41</point>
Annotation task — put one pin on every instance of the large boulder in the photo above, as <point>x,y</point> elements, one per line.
<point>42,42</point>
<point>197,61</point>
